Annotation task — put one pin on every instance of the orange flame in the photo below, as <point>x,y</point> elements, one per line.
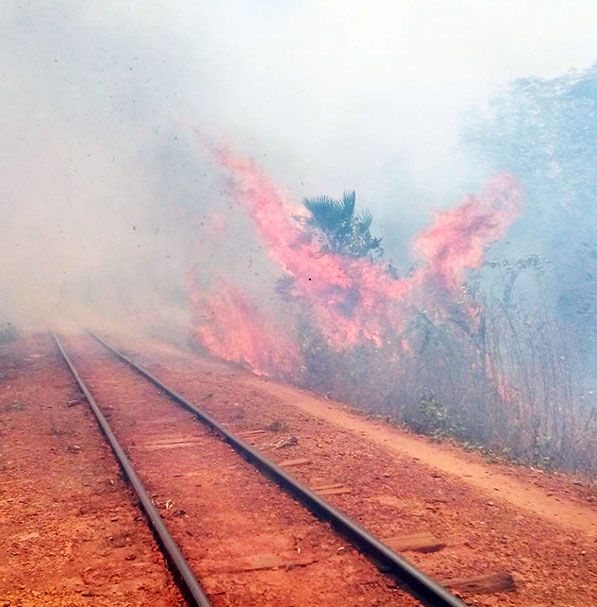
<point>353,300</point>
<point>233,328</point>
<point>459,237</point>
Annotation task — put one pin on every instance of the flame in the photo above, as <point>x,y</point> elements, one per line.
<point>232,327</point>
<point>352,300</point>
<point>458,238</point>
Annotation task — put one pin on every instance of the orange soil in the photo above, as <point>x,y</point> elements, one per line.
<point>70,533</point>
<point>554,505</point>
<point>492,517</point>
<point>248,542</point>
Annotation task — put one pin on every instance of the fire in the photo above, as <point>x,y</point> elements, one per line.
<point>459,237</point>
<point>231,326</point>
<point>352,300</point>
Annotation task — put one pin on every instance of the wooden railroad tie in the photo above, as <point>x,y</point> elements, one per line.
<point>331,489</point>
<point>250,433</point>
<point>299,461</point>
<point>500,581</point>
<point>418,542</point>
<point>172,443</point>
<point>257,562</point>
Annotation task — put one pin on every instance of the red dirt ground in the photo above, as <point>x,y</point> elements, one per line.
<point>70,533</point>
<point>249,543</point>
<point>493,517</point>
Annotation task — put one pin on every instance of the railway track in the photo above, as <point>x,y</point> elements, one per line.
<point>131,422</point>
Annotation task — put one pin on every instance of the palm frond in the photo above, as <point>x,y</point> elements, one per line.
<point>365,219</point>
<point>341,230</point>
<point>348,204</point>
<point>326,212</point>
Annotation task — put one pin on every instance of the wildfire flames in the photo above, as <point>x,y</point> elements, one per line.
<point>351,300</point>
<point>232,327</point>
<point>458,239</point>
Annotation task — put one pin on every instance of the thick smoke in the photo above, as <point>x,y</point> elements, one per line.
<point>102,193</point>
<point>90,224</point>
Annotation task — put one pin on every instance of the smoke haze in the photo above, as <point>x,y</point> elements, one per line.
<point>104,188</point>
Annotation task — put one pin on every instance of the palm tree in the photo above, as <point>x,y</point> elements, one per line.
<point>340,230</point>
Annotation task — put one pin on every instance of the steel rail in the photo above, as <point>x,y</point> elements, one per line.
<point>418,584</point>
<point>187,580</point>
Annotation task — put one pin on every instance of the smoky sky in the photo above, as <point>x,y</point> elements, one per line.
<point>103,184</point>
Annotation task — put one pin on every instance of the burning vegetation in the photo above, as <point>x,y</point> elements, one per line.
<point>446,347</point>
